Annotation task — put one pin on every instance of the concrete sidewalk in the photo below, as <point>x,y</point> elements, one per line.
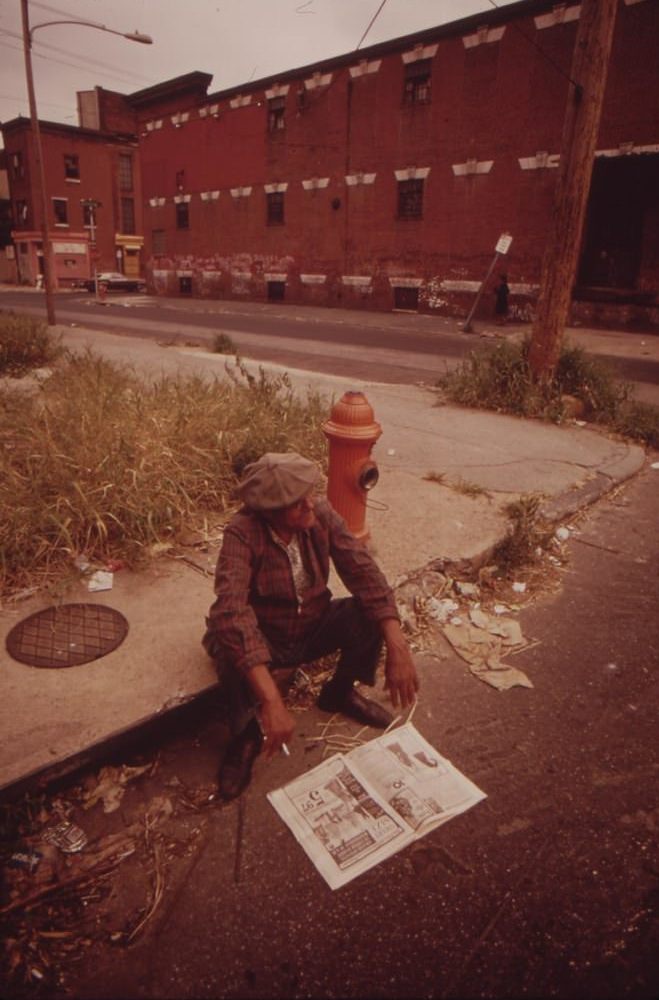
<point>49,717</point>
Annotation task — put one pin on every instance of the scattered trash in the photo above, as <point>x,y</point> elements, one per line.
<point>100,580</point>
<point>391,451</point>
<point>501,609</point>
<point>612,667</point>
<point>580,423</point>
<point>655,465</point>
<point>440,610</point>
<point>562,534</point>
<point>25,859</point>
<point>481,645</point>
<point>466,589</point>
<point>518,587</point>
<point>82,563</point>
<point>456,621</point>
<point>67,836</point>
<point>111,786</point>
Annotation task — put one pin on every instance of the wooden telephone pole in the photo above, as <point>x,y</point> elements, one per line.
<point>580,129</point>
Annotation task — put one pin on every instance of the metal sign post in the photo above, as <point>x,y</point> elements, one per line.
<point>502,247</point>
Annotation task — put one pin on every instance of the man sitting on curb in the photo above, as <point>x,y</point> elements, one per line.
<point>273,609</point>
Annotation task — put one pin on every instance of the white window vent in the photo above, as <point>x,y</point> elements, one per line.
<point>412,173</point>
<point>352,180</point>
<point>364,68</point>
<point>560,14</point>
<point>314,183</point>
<point>483,36</point>
<point>472,166</point>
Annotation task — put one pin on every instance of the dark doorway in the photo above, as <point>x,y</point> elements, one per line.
<point>623,197</point>
<point>276,291</point>
<point>406,298</point>
<point>185,286</point>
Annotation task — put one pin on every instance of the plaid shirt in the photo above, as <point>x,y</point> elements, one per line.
<point>257,613</point>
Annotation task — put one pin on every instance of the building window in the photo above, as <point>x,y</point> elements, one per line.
<point>158,241</point>
<point>127,215</point>
<point>275,208</point>
<point>61,211</point>
<point>21,212</point>
<point>416,88</point>
<point>71,167</point>
<point>276,114</point>
<point>17,166</point>
<point>180,180</point>
<point>276,291</point>
<point>125,173</point>
<point>182,215</point>
<point>185,285</point>
<point>410,199</point>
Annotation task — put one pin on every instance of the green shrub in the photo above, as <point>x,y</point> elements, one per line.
<point>25,343</point>
<point>500,379</point>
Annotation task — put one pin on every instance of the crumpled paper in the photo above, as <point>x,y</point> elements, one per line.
<point>482,642</point>
<point>111,786</point>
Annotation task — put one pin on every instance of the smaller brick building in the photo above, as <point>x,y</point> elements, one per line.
<point>93,191</point>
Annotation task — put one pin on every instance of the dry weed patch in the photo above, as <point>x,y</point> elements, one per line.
<point>103,462</point>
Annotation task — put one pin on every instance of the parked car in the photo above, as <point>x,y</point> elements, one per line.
<point>116,282</point>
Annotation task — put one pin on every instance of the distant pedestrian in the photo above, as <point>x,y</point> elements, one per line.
<point>501,292</point>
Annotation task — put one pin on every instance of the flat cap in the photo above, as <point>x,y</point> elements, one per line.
<point>276,480</point>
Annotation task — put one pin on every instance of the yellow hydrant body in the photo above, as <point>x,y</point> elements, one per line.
<point>351,432</point>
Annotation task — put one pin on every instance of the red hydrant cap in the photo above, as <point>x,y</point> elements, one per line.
<point>352,417</point>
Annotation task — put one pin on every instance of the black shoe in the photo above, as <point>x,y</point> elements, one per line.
<point>356,707</point>
<point>236,769</point>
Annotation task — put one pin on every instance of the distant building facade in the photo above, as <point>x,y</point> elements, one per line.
<point>384,178</point>
<point>93,191</point>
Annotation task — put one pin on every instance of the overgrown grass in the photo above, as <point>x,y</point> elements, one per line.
<point>525,534</point>
<point>104,463</point>
<point>500,379</point>
<point>25,343</point>
<point>223,344</point>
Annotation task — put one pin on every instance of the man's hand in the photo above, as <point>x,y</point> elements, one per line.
<point>277,725</point>
<point>401,679</point>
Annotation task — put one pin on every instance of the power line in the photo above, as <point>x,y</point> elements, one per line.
<point>74,55</point>
<point>371,23</point>
<point>62,62</point>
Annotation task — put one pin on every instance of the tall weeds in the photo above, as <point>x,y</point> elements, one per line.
<point>104,463</point>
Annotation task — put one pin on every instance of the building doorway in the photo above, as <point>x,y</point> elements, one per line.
<point>622,205</point>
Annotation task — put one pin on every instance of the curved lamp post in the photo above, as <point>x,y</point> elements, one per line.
<point>28,32</point>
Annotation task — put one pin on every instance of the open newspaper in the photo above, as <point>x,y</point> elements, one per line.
<point>354,810</point>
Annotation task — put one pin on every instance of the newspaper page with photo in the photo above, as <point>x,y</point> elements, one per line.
<point>354,810</point>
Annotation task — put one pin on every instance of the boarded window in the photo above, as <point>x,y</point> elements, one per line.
<point>410,199</point>
<point>276,291</point>
<point>416,87</point>
<point>275,208</point>
<point>158,241</point>
<point>182,215</point>
<point>127,215</point>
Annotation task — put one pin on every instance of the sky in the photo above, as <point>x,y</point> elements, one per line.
<point>234,40</point>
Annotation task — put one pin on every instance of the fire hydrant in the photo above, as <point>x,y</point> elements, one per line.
<point>351,431</point>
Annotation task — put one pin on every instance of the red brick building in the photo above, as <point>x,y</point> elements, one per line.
<point>93,190</point>
<point>384,178</point>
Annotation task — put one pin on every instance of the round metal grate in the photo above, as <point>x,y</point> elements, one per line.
<point>67,635</point>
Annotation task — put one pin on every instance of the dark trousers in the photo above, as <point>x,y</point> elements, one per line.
<point>343,626</point>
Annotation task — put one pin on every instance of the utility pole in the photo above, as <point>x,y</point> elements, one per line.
<point>46,248</point>
<point>588,73</point>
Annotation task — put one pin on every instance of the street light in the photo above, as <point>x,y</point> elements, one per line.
<point>28,32</point>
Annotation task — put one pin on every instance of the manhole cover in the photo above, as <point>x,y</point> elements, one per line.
<point>67,635</point>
